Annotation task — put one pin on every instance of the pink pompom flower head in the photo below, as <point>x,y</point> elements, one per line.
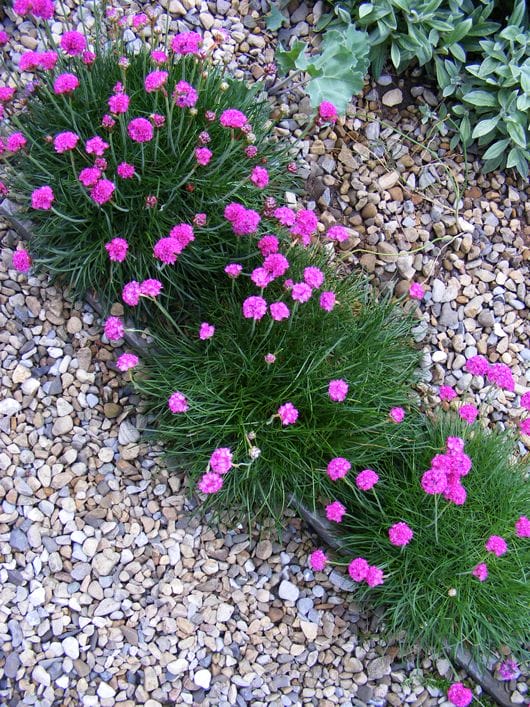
<point>15,142</point>
<point>21,260</point>
<point>327,112</point>
<point>468,412</point>
<point>254,307</point>
<point>155,80</point>
<point>140,130</point>
<point>127,361</point>
<point>525,400</point>
<point>89,176</point>
<point>480,571</point>
<point>459,695</point>
<point>150,288</point>
<point>318,560</point>
<point>335,511</point>
<point>65,83</point>
<point>338,390</point>
<point>374,576</point>
<point>358,569</point>
<point>131,293</point>
<point>114,329</point>
<point>327,301</point>
<point>232,118</point>
<point>314,277</point>
<point>279,311</point>
<point>261,277</point>
<point>73,43</point>
<point>270,358</point>
<point>301,292</point>
<point>125,170</point>
<point>269,245</point>
<point>416,291</point>
<point>233,270</point>
<point>496,545</point>
<point>102,191</point>
<point>65,141</point>
<point>434,481</point>
<point>509,670</point>
<point>502,376</point>
<point>397,415</point>
<point>338,233</point>
<point>337,468</point>
<point>221,460</point>
<point>477,365</point>
<point>184,95</point>
<point>117,249</point>
<point>400,534</point>
<point>177,402</point>
<point>119,103</point>
<point>446,393</point>
<point>210,483</point>
<point>96,146</point>
<point>186,43</point>
<point>203,155</point>
<point>522,527</point>
<point>366,479</point>
<point>288,414</point>
<point>525,427</point>
<point>259,177</point>
<point>42,198</point>
<point>206,331</point>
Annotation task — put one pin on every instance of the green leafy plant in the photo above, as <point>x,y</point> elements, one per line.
<point>169,185</point>
<point>429,593</point>
<point>234,394</point>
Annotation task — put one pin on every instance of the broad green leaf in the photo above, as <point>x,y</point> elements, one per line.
<point>458,52</point>
<point>517,158</point>
<point>395,54</point>
<point>523,102</point>
<point>525,78</point>
<point>275,19</point>
<point>365,8</point>
<point>481,99</point>
<point>496,149</point>
<point>293,58</point>
<point>337,91</point>
<point>459,32</point>
<point>344,15</point>
<point>516,132</point>
<point>465,130</point>
<point>484,127</point>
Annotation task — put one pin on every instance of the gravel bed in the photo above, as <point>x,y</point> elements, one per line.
<point>111,590</point>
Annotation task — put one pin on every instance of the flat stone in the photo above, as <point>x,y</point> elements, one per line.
<point>264,549</point>
<point>202,678</point>
<point>62,426</point>
<point>71,647</point>
<point>379,667</point>
<point>106,607</point>
<point>388,180</point>
<point>177,667</point>
<point>224,612</point>
<point>18,540</point>
<point>309,629</point>
<point>288,591</point>
<point>9,407</point>
<point>11,665</point>
<point>392,97</point>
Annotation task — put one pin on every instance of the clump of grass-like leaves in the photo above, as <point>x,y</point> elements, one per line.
<point>172,182</point>
<point>430,593</point>
<point>234,395</point>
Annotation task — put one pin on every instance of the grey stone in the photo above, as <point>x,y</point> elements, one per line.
<point>18,540</point>
<point>11,665</point>
<point>288,591</point>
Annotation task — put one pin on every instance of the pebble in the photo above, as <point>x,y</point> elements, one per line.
<point>288,591</point>
<point>393,97</point>
<point>9,407</point>
<point>202,678</point>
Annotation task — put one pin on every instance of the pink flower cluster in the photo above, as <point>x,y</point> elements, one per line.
<point>254,307</point>
<point>184,95</point>
<point>73,43</point>
<point>338,468</point>
<point>206,331</point>
<point>338,390</point>
<point>140,130</point>
<point>133,290</point>
<point>327,301</point>
<point>21,260</point>
<point>259,177</point>
<point>446,472</point>
<point>468,412</point>
<point>127,361</point>
<point>360,571</point>
<point>497,373</point>
<point>42,198</point>
<point>244,221</point>
<point>496,545</point>
<point>288,414</point>
<point>335,511</point>
<point>203,155</point>
<point>366,479</point>
<point>102,191</point>
<point>117,249</point>
<point>167,249</point>
<point>416,291</point>
<point>177,402</point>
<point>397,414</point>
<point>155,80</point>
<point>459,695</point>
<point>29,61</point>
<point>114,329</point>
<point>446,393</point>
<point>186,43</point>
<point>338,233</point>
<point>65,83</point>
<point>65,141</point>
<point>400,534</point>
<point>318,560</point>
<point>43,9</point>
<point>232,118</point>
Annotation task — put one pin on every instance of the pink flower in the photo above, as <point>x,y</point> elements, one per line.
<point>125,170</point>
<point>183,234</point>
<point>318,560</point>
<point>21,260</point>
<point>119,103</point>
<point>525,427</point>
<point>327,111</point>
<point>151,201</point>
<point>496,545</point>
<point>327,301</point>
<point>397,415</point>
<point>261,277</point>
<point>167,250</point>
<point>177,402</point>
<point>65,83</point>
<point>259,177</point>
<point>203,155</point>
<point>358,569</point>
<point>15,142</point>
<point>184,95</point>
<point>4,191</point>
<point>455,493</point>
<point>210,483</point>
<point>480,571</point>
<point>140,130</point>
<point>233,118</point>
<point>525,400</point>
<point>477,365</point>
<point>221,460</point>
<point>42,198</point>
<point>301,292</point>
<point>186,43</point>
<point>500,374</point>
<point>279,311</point>
<point>65,141</point>
<point>305,225</point>
<point>102,191</point>
<point>446,393</point>
<point>522,527</point>
<point>277,264</point>
<point>114,328</point>
<point>416,291</point>
<point>468,412</point>
<point>4,38</point>
<point>159,57</point>
<point>96,146</point>
<point>288,414</point>
<point>73,43</point>
<point>204,137</point>
<point>150,288</point>
<point>314,277</point>
<point>117,249</point>
<point>88,58</point>
<point>400,534</point>
<point>155,80</point>
<point>269,244</point>
<point>199,220</point>
<point>285,215</point>
<point>459,695</point>
<point>270,358</point>
<point>337,468</point>
<point>509,670</point>
<point>131,293</point>
<point>338,233</point>
<point>47,60</point>
<point>6,93</point>
<point>206,331</point>
<point>254,308</point>
<point>366,479</point>
<point>338,390</point>
<point>233,270</point>
<point>251,151</point>
<point>244,221</point>
<point>108,121</point>
<point>127,361</point>
<point>374,576</point>
<point>335,511</point>
<point>434,481</point>
<point>38,8</point>
<point>140,20</point>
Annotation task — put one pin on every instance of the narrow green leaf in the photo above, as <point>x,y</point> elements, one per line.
<point>481,99</point>
<point>516,132</point>
<point>484,127</point>
<point>496,149</point>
